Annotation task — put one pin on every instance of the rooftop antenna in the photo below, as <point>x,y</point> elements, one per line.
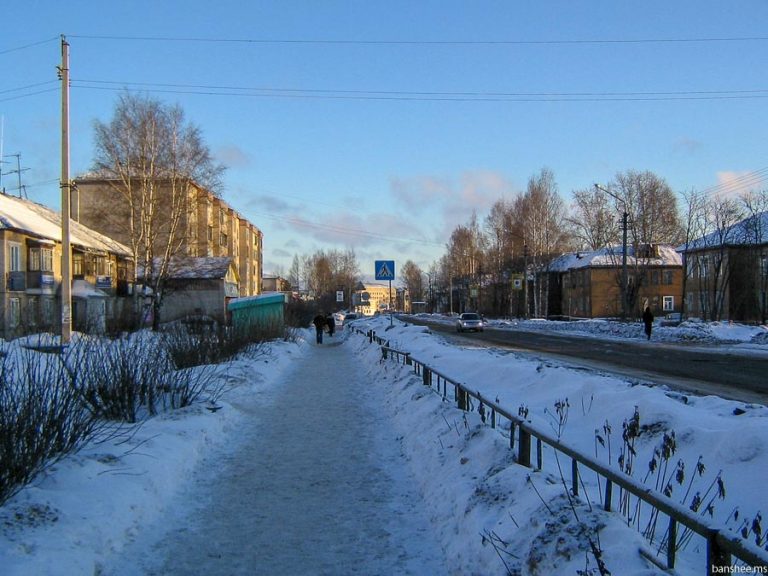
<point>18,171</point>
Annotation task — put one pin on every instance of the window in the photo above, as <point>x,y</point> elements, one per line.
<point>14,309</point>
<point>102,266</point>
<point>669,277</point>
<point>77,264</point>
<point>223,239</point>
<point>654,277</point>
<point>669,304</point>
<point>14,257</point>
<point>40,259</point>
<point>46,259</point>
<point>48,310</point>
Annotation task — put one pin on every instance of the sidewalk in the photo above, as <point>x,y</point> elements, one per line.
<point>317,487</point>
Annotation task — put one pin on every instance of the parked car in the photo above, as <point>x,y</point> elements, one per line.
<point>469,321</point>
<point>349,317</point>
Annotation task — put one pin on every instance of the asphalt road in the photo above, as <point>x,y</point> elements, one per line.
<point>700,370</point>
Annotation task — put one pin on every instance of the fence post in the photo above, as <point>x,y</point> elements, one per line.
<point>383,352</point>
<point>461,398</point>
<point>524,448</point>
<point>608,494</point>
<point>408,360</point>
<point>718,560</point>
<point>575,476</point>
<point>539,454</point>
<point>512,427</point>
<point>426,376</point>
<point>671,543</point>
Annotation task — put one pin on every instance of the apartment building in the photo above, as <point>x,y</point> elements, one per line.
<point>30,259</point>
<point>206,227</point>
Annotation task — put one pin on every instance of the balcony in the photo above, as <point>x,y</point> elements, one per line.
<point>16,281</point>
<point>42,282</point>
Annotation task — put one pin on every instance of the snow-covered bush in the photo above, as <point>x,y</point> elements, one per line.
<point>42,418</point>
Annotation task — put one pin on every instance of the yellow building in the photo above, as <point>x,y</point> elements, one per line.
<point>375,298</point>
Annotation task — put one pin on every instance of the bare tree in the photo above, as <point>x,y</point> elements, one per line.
<point>651,206</point>
<point>714,230</point>
<point>413,278</point>
<point>594,219</point>
<point>155,162</point>
<point>465,256</point>
<point>326,272</point>
<point>541,216</point>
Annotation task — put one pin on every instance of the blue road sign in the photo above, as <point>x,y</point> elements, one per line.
<point>385,269</point>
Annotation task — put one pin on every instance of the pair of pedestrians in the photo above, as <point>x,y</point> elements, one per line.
<point>321,322</point>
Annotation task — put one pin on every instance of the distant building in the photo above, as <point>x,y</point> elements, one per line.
<point>373,298</point>
<point>727,273</point>
<point>588,284</point>
<point>208,226</point>
<point>30,259</point>
<point>273,283</point>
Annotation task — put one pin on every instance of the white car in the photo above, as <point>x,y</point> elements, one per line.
<point>469,321</point>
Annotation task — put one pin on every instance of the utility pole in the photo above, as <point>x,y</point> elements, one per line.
<point>525,281</point>
<point>624,226</point>
<point>66,186</point>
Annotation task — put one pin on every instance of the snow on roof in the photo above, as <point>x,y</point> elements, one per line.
<point>612,256</point>
<point>750,231</point>
<point>38,220</point>
<point>199,267</point>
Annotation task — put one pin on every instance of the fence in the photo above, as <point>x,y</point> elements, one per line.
<point>722,546</point>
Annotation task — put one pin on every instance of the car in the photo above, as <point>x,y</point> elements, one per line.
<point>469,321</point>
<point>349,317</point>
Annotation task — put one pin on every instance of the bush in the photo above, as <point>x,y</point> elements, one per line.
<point>42,418</point>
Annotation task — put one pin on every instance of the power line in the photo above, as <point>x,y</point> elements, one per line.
<point>747,180</point>
<point>28,95</point>
<point>430,96</point>
<point>331,41</point>
<point>25,46</point>
<point>28,86</point>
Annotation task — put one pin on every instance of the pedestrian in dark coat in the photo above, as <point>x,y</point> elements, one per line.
<point>331,321</point>
<point>648,321</point>
<point>319,323</point>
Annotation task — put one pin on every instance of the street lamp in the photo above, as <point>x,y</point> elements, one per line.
<point>624,218</point>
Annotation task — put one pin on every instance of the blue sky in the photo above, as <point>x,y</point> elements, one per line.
<point>382,126</point>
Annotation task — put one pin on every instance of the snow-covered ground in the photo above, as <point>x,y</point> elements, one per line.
<point>91,509</point>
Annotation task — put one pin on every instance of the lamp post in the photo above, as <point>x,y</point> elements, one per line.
<point>624,219</point>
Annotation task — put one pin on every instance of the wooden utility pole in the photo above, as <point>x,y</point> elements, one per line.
<point>66,189</point>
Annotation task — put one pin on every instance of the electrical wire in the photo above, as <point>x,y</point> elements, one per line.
<point>320,41</point>
<point>25,46</point>
<point>432,96</point>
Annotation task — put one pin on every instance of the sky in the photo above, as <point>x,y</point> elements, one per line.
<point>380,127</point>
<point>125,505</point>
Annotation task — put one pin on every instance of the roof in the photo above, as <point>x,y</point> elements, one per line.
<point>752,231</point>
<point>611,257</point>
<point>37,220</point>
<point>197,268</point>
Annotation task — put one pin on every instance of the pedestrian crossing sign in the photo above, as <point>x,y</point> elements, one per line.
<point>385,269</point>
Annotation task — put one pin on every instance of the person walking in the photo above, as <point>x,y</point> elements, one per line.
<point>320,324</point>
<point>648,321</point>
<point>331,321</point>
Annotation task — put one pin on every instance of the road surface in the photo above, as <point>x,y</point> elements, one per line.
<point>698,369</point>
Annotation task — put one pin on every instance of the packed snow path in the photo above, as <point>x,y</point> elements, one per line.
<point>316,485</point>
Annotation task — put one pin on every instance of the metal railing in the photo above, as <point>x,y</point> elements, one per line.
<point>722,545</point>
